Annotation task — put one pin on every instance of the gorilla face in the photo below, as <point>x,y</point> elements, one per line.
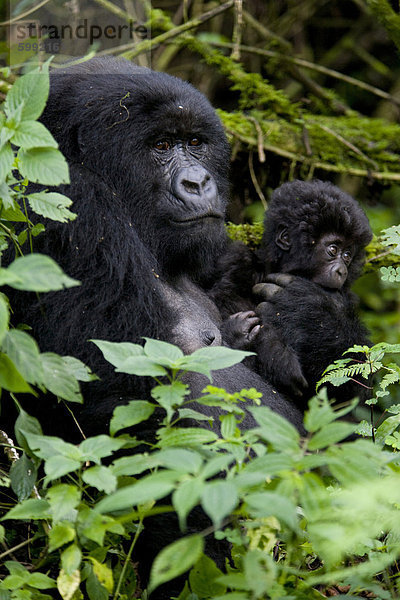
<point>157,143</point>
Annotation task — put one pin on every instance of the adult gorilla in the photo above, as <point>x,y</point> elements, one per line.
<point>148,164</point>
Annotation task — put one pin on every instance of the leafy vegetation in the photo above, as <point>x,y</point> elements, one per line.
<point>306,517</point>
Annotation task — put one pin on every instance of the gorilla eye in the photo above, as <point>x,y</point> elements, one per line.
<point>332,250</point>
<point>162,145</point>
<point>347,256</point>
<point>194,142</point>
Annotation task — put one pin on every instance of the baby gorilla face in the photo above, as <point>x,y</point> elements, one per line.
<point>332,256</point>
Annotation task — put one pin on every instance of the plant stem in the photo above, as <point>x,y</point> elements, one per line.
<point>128,557</point>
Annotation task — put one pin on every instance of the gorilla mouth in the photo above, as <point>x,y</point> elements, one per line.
<point>197,219</point>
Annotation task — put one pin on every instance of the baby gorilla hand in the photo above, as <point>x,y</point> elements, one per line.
<point>275,282</point>
<point>241,329</point>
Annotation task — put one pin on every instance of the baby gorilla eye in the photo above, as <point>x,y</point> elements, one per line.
<point>332,250</point>
<point>162,145</point>
<point>194,142</point>
<point>347,256</point>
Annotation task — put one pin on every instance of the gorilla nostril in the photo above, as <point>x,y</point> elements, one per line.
<point>190,186</point>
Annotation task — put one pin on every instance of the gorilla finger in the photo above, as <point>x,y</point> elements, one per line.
<point>281,279</point>
<point>266,290</point>
<point>253,333</point>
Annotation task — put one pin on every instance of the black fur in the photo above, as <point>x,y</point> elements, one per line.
<point>305,326</point>
<point>130,136</point>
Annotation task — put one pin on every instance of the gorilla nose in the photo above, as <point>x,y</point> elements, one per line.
<point>194,183</point>
<point>340,272</point>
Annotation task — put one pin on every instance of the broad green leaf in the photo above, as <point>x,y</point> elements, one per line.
<point>275,429</point>
<point>267,504</point>
<point>162,353</point>
<point>97,447</point>
<point>219,499</point>
<point>94,525</point>
<point>6,161</point>
<point>331,434</point>
<point>60,534</point>
<point>57,466</point>
<point>185,436</point>
<point>71,559</point>
<point>47,446</point>
<point>313,494</point>
<point>4,318</point>
<point>101,478</point>
<point>36,273</point>
<point>10,378</point>
<point>57,378</point>
<point>185,497</point>
<point>43,165</point>
<point>270,464</point>
<point>32,508</point>
<point>26,423</point>
<point>133,465</point>
<point>170,396</point>
<point>103,573</point>
<point>68,584</point>
<point>116,353</point>
<point>30,90</point>
<point>179,459</point>
<point>228,426</point>
<point>130,414</point>
<point>24,352</point>
<point>220,357</point>
<point>94,589</point>
<point>175,559</point>
<point>216,465</point>
<point>141,365</point>
<point>202,578</point>
<point>40,581</point>
<point>23,477</point>
<point>78,369</point>
<point>63,499</point>
<point>32,134</point>
<point>52,205</point>
<point>386,428</point>
<point>150,487</point>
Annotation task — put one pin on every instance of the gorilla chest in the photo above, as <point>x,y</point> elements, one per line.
<point>196,320</point>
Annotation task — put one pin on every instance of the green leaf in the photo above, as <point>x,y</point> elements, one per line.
<point>57,466</point>
<point>52,205</point>
<point>36,273</point>
<point>175,559</point>
<point>202,578</point>
<point>40,581</point>
<point>206,360</point>
<point>29,424</point>
<point>23,350</point>
<point>130,414</point>
<point>60,534</point>
<point>32,134</point>
<point>10,378</point>
<point>186,497</point>
<point>117,353</point>
<point>31,91</point>
<point>267,504</point>
<point>386,428</point>
<point>170,396</point>
<point>100,478</point>
<point>32,508</point>
<point>4,317</point>
<point>187,436</point>
<point>68,584</point>
<point>57,378</point>
<point>179,459</point>
<point>95,590</point>
<point>78,369</point>
<point>103,573</point>
<point>150,487</point>
<point>63,499</point>
<point>71,558</point>
<point>141,365</point>
<point>95,448</point>
<point>43,165</point>
<point>94,525</point>
<point>219,498</point>
<point>331,434</point>
<point>275,429</point>
<point>6,161</point>
<point>162,353</point>
<point>228,426</point>
<point>23,477</point>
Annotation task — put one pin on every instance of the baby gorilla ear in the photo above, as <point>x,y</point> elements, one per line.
<point>282,239</point>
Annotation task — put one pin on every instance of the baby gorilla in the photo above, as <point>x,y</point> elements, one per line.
<point>311,252</point>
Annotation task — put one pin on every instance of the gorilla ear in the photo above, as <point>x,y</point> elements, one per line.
<point>282,239</point>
